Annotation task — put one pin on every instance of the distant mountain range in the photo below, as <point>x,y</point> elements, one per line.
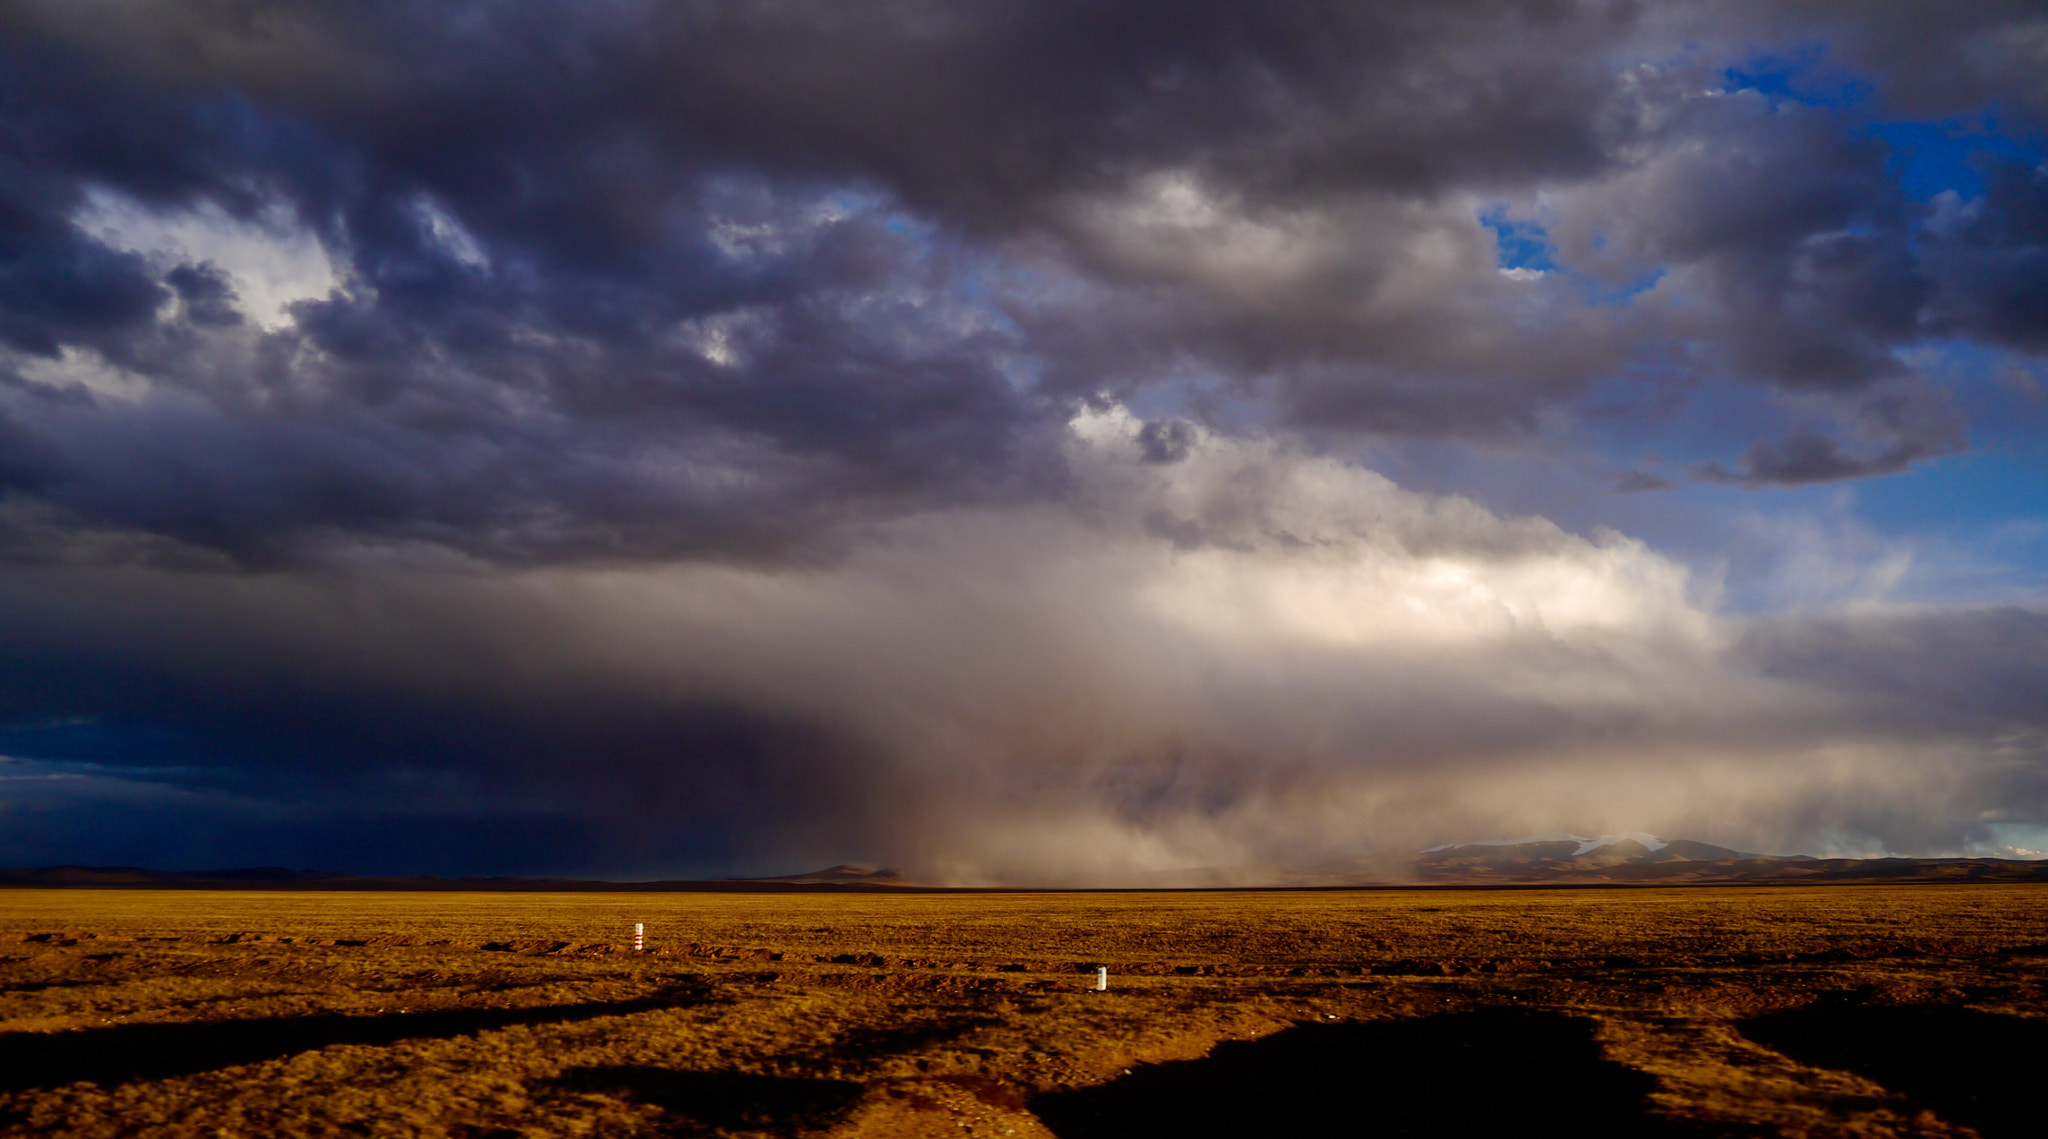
<point>1549,860</point>
<point>1646,859</point>
<point>1573,855</point>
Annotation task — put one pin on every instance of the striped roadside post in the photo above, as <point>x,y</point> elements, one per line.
<point>639,937</point>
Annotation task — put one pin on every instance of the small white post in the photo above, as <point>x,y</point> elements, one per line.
<point>1102,978</point>
<point>639,937</point>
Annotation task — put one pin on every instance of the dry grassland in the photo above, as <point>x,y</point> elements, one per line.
<point>1889,1010</point>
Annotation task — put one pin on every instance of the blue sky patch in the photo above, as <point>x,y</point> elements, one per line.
<point>1801,75</point>
<point>1522,243</point>
<point>1928,158</point>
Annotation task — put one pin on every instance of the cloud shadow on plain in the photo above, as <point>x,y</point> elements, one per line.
<point>113,1056</point>
<point>704,1102</point>
<point>1975,1068</point>
<point>1487,1073</point>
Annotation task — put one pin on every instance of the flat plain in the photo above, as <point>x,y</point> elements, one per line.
<point>1801,1011</point>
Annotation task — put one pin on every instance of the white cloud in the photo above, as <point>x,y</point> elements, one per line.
<point>449,233</point>
<point>87,369</point>
<point>272,259</point>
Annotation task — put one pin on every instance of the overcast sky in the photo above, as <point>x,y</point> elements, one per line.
<point>1041,442</point>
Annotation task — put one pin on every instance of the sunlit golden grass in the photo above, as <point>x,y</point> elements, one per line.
<point>1259,927</point>
<point>190,1012</point>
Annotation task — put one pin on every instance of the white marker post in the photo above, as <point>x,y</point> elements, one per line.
<point>639,937</point>
<point>1102,978</point>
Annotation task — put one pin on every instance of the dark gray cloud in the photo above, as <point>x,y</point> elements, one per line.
<point>931,376</point>
<point>345,722</point>
<point>1917,670</point>
<point>1922,62</point>
<point>932,230</point>
<point>208,295</point>
<point>1166,440</point>
<point>1895,424</point>
<point>1804,457</point>
<point>1994,253</point>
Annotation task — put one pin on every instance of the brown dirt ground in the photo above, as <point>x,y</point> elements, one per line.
<point>1799,1011</point>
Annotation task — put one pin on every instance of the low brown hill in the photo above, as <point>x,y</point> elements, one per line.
<point>846,873</point>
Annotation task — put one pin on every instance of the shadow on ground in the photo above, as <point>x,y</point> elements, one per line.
<point>860,1044</point>
<point>1489,1073</point>
<point>700,1102</point>
<point>1979,1069</point>
<point>111,1056</point>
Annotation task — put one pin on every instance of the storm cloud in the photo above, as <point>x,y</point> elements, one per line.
<point>1019,441</point>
